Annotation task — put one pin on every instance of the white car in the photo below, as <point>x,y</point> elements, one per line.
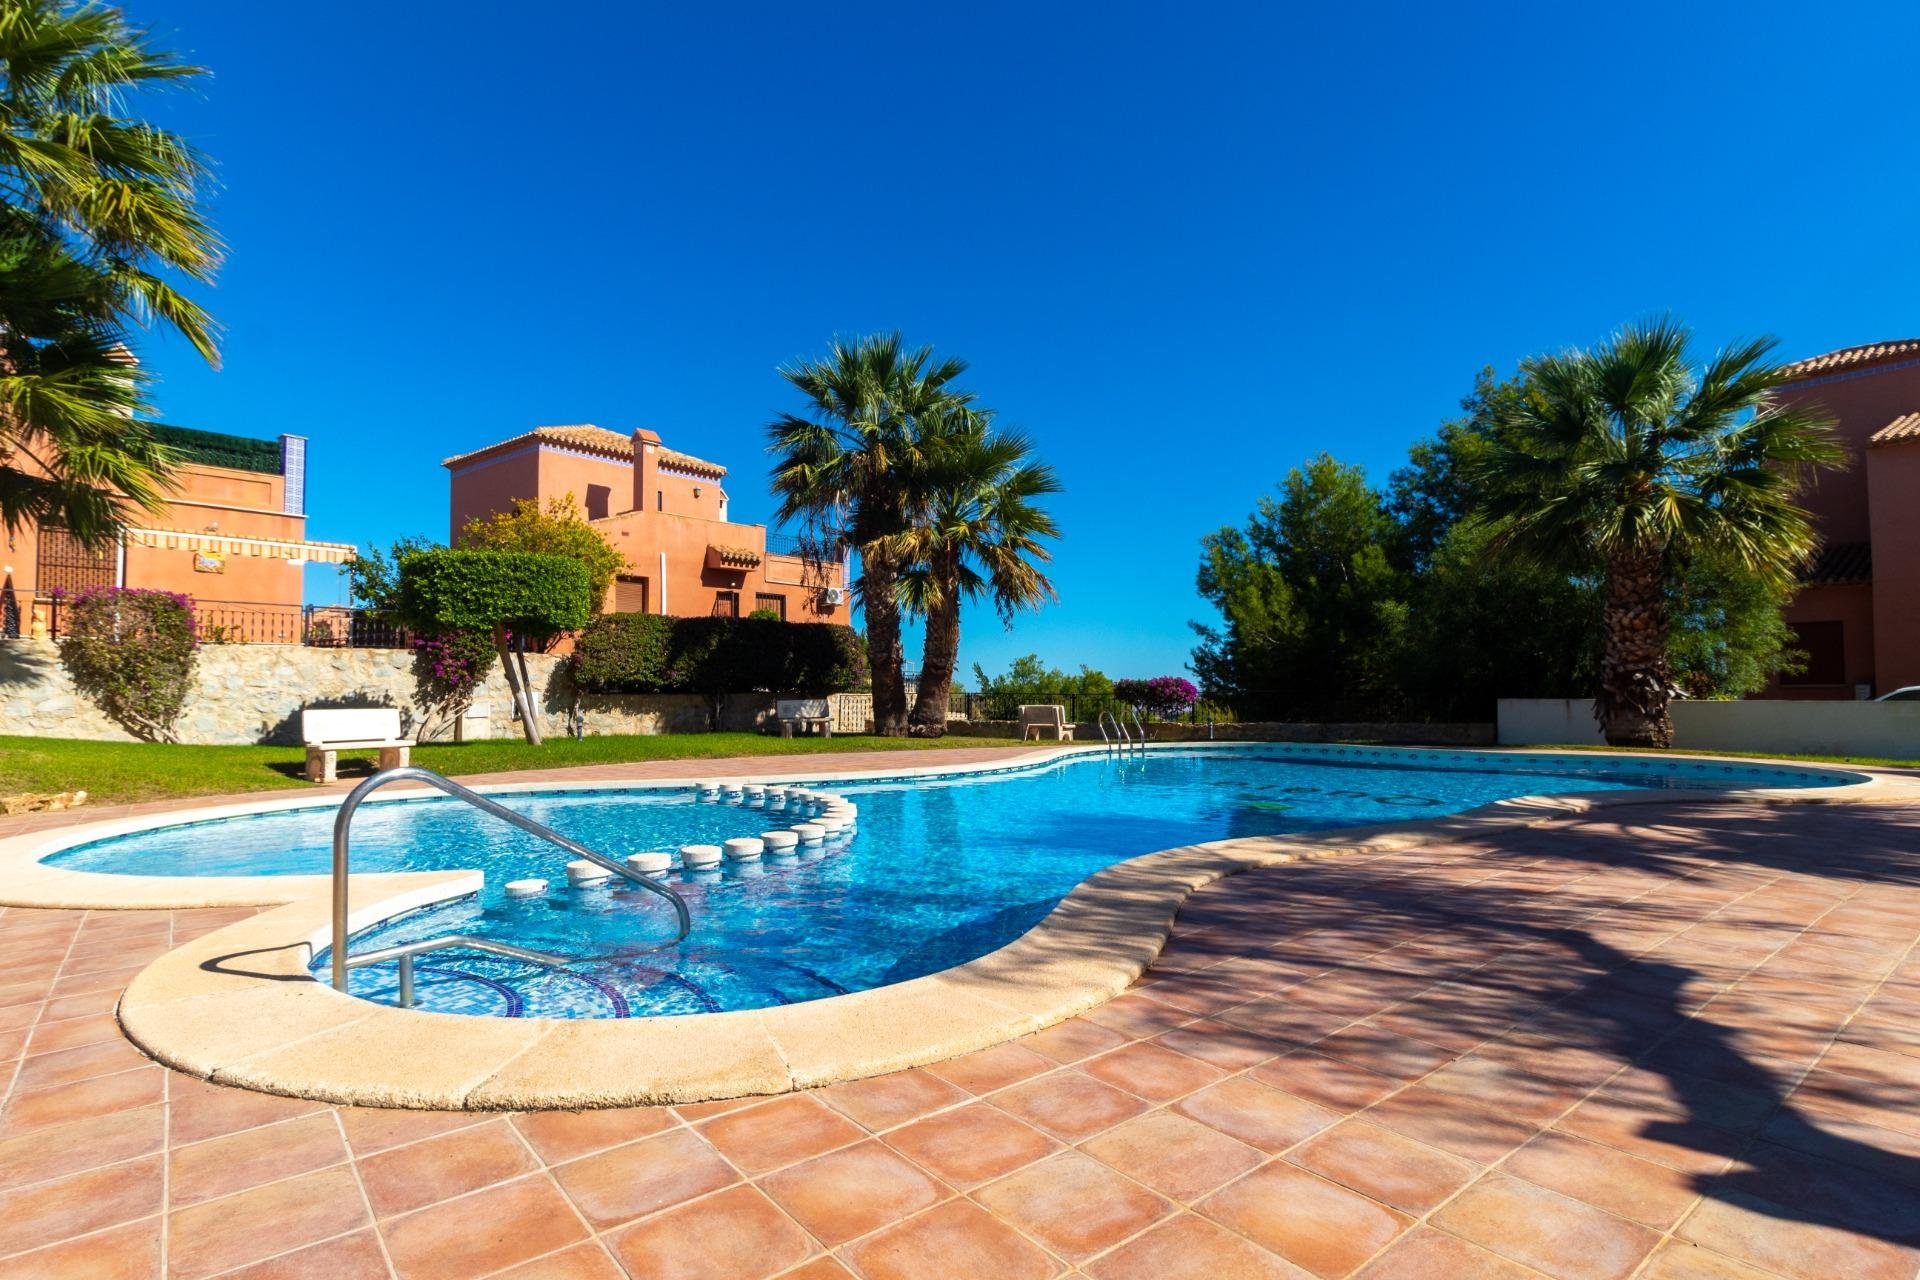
<point>1911,693</point>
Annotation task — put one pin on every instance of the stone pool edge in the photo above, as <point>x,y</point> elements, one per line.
<point>239,1007</point>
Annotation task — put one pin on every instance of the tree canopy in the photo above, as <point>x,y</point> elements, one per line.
<point>1341,601</point>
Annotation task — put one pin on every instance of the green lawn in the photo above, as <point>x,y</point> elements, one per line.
<point>123,771</point>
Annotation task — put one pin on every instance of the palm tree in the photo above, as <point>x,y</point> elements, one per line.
<point>852,468</point>
<point>1626,462</point>
<point>72,451</point>
<point>121,202</point>
<point>980,533</point>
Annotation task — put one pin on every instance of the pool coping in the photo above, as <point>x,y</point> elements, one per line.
<point>239,1006</point>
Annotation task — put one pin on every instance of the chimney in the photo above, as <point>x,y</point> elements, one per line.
<point>646,463</point>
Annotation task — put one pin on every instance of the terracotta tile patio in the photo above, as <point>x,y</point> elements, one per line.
<point>1674,1043</point>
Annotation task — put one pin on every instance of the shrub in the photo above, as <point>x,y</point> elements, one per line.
<point>133,653</point>
<point>528,594</point>
<point>447,668</point>
<point>1163,697</point>
<point>646,653</point>
<point>624,653</point>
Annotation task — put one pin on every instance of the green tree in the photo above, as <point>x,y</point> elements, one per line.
<point>515,595</point>
<point>1629,463</point>
<point>851,468</point>
<point>1029,680</point>
<point>100,214</point>
<point>557,529</point>
<point>982,532</point>
<point>1311,603</point>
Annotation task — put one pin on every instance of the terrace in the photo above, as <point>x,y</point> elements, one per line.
<point>1664,1041</point>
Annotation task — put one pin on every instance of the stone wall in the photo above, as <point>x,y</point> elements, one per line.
<point>253,694</point>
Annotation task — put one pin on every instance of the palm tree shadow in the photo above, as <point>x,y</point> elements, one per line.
<point>1712,1096</point>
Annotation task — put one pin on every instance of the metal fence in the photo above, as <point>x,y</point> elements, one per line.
<point>322,626</point>
<point>1006,706</point>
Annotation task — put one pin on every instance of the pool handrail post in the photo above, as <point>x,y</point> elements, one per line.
<point>342,837</point>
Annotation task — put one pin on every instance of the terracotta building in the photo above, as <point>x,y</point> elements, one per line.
<point>232,536</point>
<point>665,511</point>
<point>1858,616</point>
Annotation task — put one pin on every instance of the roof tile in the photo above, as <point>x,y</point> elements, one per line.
<point>1839,563</point>
<point>1847,357</point>
<point>592,439</point>
<point>1904,427</point>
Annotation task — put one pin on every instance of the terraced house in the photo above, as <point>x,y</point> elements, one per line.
<point>665,511</point>
<point>1858,615</point>
<point>232,536</point>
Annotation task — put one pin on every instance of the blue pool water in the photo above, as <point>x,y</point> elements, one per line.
<point>941,870</point>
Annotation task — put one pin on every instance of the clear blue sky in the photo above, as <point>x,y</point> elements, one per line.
<point>1184,246</point>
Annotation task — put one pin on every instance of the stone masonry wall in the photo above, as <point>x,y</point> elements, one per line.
<point>254,694</point>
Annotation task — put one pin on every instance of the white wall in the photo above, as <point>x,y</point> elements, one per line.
<point>1885,729</point>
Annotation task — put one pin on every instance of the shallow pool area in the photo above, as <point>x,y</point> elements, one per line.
<point>941,870</point>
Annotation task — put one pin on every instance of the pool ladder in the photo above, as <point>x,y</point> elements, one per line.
<point>405,952</point>
<point>1120,740</point>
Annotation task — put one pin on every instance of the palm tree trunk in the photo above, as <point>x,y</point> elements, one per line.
<point>941,652</point>
<point>879,575</point>
<point>1634,682</point>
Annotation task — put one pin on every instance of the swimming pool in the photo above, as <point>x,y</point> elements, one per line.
<point>942,869</point>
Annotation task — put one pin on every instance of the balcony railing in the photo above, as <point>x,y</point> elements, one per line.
<point>321,626</point>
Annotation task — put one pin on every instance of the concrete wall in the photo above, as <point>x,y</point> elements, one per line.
<point>1885,729</point>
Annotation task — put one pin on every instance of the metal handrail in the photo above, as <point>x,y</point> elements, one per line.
<point>406,951</point>
<point>1119,740</point>
<point>343,822</point>
<point>1139,728</point>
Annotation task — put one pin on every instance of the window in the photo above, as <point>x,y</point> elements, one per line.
<point>1824,644</point>
<point>599,499</point>
<point>64,565</point>
<point>659,499</point>
<point>629,594</point>
<point>778,604</point>
<point>726,604</point>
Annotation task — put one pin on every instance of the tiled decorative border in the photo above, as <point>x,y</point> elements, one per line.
<point>238,1006</point>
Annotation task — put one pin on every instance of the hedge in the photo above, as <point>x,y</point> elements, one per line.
<point>473,590</point>
<point>648,653</point>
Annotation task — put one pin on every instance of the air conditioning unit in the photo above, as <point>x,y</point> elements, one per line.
<point>833,595</point>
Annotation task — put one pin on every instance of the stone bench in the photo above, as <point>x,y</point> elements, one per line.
<point>327,731</point>
<point>804,712</point>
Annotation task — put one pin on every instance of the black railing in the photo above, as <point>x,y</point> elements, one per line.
<point>1006,706</point>
<point>322,626</point>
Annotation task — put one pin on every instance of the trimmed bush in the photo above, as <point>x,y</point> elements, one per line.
<point>465,590</point>
<point>623,653</point>
<point>646,653</point>
<point>133,652</point>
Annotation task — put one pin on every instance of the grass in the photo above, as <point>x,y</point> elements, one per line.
<point>114,772</point>
<point>1876,761</point>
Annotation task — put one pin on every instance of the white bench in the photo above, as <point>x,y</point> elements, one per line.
<point>1038,719</point>
<point>804,712</point>
<point>327,731</point>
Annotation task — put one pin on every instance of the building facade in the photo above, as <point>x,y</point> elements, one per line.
<point>232,536</point>
<point>664,511</point>
<point>1858,613</point>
